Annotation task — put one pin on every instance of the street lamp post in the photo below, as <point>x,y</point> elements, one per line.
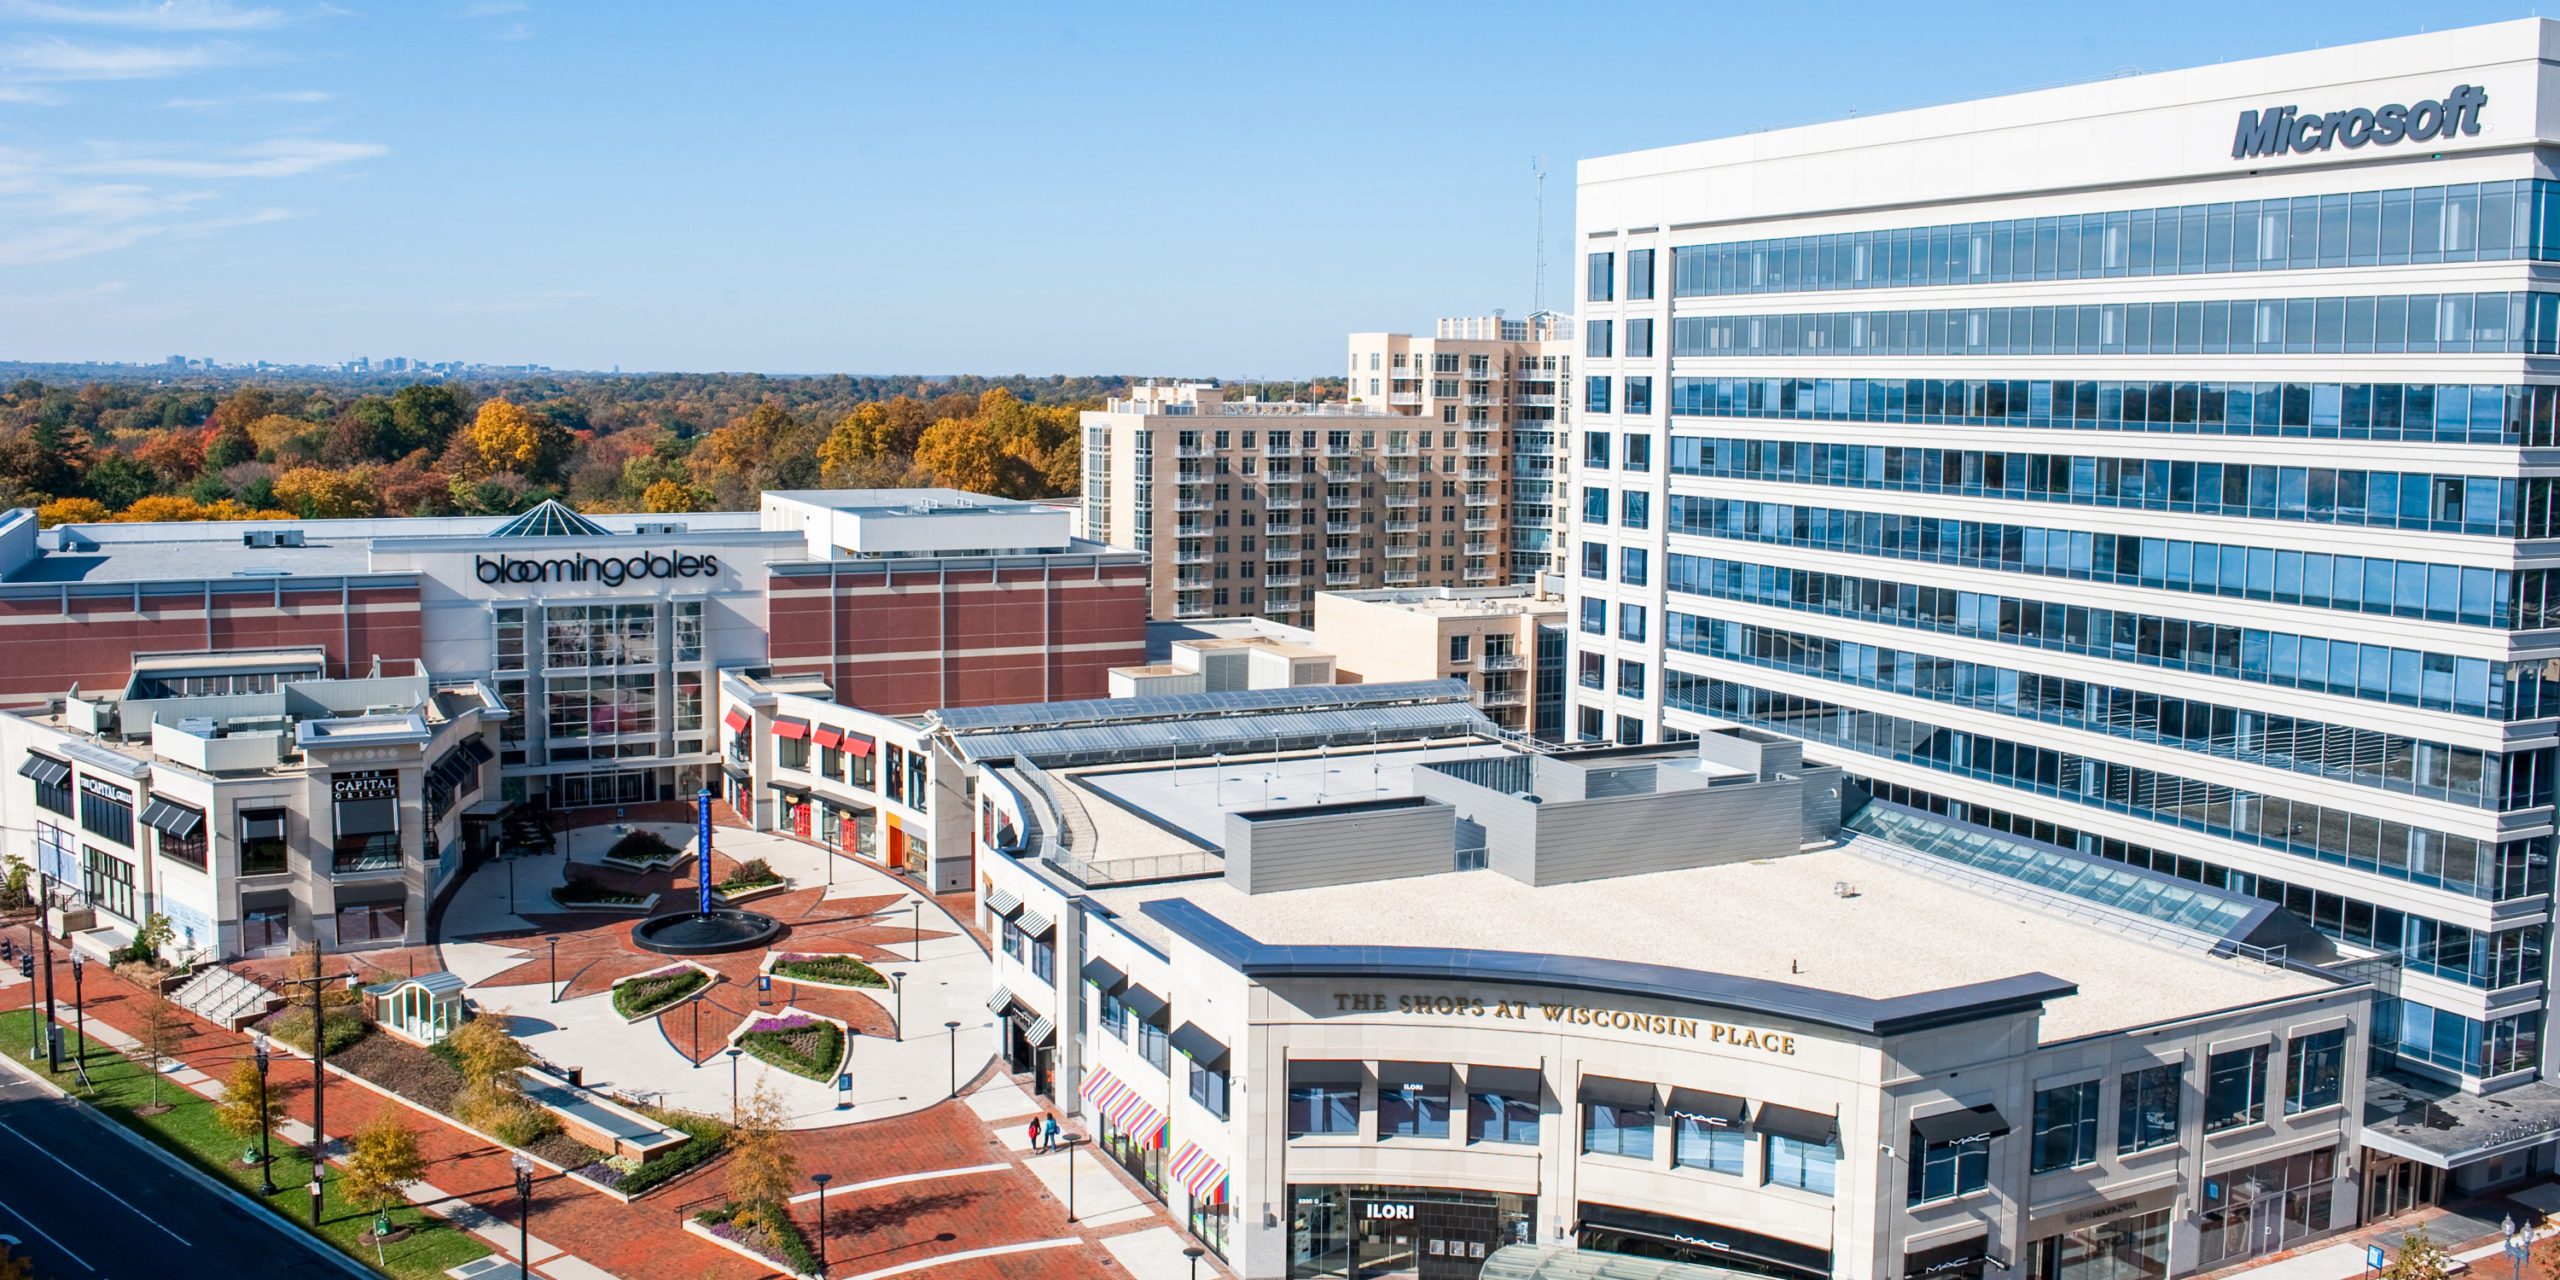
<point>79,1013</point>
<point>524,1214</point>
<point>1193,1252</point>
<point>1071,1141</point>
<point>898,989</point>
<point>822,1179</point>
<point>511,883</point>
<point>954,1029</point>
<point>734,1051</point>
<point>696,1047</point>
<point>266,1127</point>
<point>44,930</point>
<point>915,930</point>
<point>554,940</point>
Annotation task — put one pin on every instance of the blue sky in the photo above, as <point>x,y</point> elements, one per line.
<point>787,187</point>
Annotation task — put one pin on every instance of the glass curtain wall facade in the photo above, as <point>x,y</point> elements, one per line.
<point>607,696</point>
<point>2240,578</point>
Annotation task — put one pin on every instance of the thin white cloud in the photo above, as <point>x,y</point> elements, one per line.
<point>281,158</point>
<point>279,97</point>
<point>30,95</point>
<point>493,8</point>
<point>169,15</point>
<point>44,58</point>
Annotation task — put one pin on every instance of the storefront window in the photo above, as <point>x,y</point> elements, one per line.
<point>106,882</point>
<point>896,768</point>
<point>1208,1222</point>
<point>2314,1070</point>
<point>2066,1132</point>
<point>1944,1168</point>
<point>1806,1166</point>
<point>372,921</point>
<point>2236,1089</point>
<point>1413,1101</point>
<point>262,848</point>
<point>1324,1108</point>
<point>1336,1232</point>
<point>1612,1229</point>
<point>1115,1016</point>
<point>106,811</point>
<point>510,622</point>
<point>1502,1112</point>
<point>1701,1142</point>
<point>2134,1248</point>
<point>1152,1044</point>
<point>2147,1108</point>
<point>263,925</point>
<point>365,807</point>
<point>1208,1087</point>
<point>688,631</point>
<point>2265,1207</point>
<point>1618,1129</point>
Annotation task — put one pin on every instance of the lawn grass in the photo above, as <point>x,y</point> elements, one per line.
<point>188,1128</point>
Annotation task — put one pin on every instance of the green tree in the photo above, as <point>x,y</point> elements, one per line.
<point>116,479</point>
<point>381,1160</point>
<point>2420,1258</point>
<point>423,416</point>
<point>244,1107</point>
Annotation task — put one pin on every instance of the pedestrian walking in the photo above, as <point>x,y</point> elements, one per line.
<point>1035,1135</point>
<point>1049,1134</point>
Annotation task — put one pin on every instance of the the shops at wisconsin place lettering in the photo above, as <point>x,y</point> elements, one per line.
<point>2275,131</point>
<point>1740,1037</point>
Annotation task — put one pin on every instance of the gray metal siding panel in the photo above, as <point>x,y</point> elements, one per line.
<point>1304,853</point>
<point>1639,835</point>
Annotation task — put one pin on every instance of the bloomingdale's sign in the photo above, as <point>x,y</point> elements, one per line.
<point>612,571</point>
<point>2273,131</point>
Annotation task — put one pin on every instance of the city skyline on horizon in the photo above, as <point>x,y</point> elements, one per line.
<point>517,184</point>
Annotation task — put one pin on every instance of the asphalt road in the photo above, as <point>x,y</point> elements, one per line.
<point>84,1204</point>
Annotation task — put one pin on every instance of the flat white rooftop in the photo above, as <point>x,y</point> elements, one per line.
<point>1777,919</point>
<point>1196,798</point>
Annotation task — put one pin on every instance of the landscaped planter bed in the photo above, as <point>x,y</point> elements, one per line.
<point>645,851</point>
<point>424,1077</point>
<point>647,995</point>
<point>840,972</point>
<point>803,1044</point>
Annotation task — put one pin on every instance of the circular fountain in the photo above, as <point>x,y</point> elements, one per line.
<point>705,930</point>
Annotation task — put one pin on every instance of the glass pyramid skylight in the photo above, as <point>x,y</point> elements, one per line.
<point>553,519</point>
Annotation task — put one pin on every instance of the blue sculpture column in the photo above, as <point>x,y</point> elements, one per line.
<point>702,861</point>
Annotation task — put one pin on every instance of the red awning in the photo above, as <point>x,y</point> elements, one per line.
<point>736,720</point>
<point>857,744</point>
<point>786,727</point>
<point>826,737</point>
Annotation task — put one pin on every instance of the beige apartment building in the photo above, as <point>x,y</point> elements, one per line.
<point>1507,643</point>
<point>1497,387</point>
<point>1440,470</point>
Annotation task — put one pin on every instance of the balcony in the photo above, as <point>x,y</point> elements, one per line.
<point>1402,502</point>
<point>1284,606</point>
<point>1277,503</point>
<point>1191,557</point>
<point>1344,578</point>
<point>1400,450</point>
<point>1479,548</point>
<point>1340,449</point>
<point>1342,553</point>
<point>1534,402</point>
<point>1399,551</point>
<point>1481,500</point>
<point>1408,399</point>
<point>1401,578</point>
<point>1400,526</point>
<point>1190,579</point>
<point>1482,471</point>
<point>1280,528</point>
<point>1501,698</point>
<point>1342,501</point>
<point>1279,448</point>
<point>1404,473</point>
<point>1479,398</point>
<point>1342,475</point>
<point>1479,449</point>
<point>1279,580</point>
<point>1482,524</point>
<point>373,859</point>
<point>1500,662</point>
<point>1342,526</point>
<point>1191,529</point>
<point>1190,475</point>
<point>1191,505</point>
<point>1483,575</point>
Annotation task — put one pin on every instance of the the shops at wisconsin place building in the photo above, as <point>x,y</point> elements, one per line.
<point>1361,985</point>
<point>2161,469</point>
<point>279,732</point>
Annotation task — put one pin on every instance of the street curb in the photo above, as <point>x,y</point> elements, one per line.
<point>238,1198</point>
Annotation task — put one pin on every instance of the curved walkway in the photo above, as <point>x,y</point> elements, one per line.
<point>837,905</point>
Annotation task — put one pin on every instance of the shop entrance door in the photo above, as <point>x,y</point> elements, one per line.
<point>800,819</point>
<point>1384,1247</point>
<point>2393,1185</point>
<point>897,848</point>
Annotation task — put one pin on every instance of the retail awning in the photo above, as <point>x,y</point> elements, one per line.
<point>1199,1046</point>
<point>1721,1109</point>
<point>790,727</point>
<point>262,828</point>
<point>1003,903</point>
<point>1000,1001</point>
<point>1101,973</point>
<point>1146,1004</point>
<point>1131,1114</point>
<point>1101,1089</point>
<point>791,789</point>
<point>1799,1124</point>
<point>1033,922</point>
<point>1037,1031</point>
<point>856,744</point>
<point>1973,1124</point>
<point>825,736</point>
<point>175,820</point>
<point>736,720</point>
<point>1199,1174</point>
<point>46,770</point>
<point>478,751</point>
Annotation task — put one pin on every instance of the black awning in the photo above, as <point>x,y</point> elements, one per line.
<point>46,770</point>
<point>733,770</point>
<point>252,828</point>
<point>1801,1125</point>
<point>477,751</point>
<point>1711,1108</point>
<point>1963,1257</point>
<point>1973,1124</point>
<point>1146,1004</point>
<point>1199,1046</point>
<point>176,820</point>
<point>791,789</point>
<point>1100,973</point>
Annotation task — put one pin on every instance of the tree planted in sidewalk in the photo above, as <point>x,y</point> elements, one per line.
<point>2419,1258</point>
<point>383,1159</point>
<point>763,1171</point>
<point>163,1031</point>
<point>244,1107</point>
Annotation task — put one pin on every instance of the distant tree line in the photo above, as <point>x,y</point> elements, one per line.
<point>221,448</point>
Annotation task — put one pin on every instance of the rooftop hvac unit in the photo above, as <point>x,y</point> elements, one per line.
<point>647,528</point>
<point>199,726</point>
<point>271,538</point>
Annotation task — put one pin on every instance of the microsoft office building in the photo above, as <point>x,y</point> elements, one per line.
<point>2160,467</point>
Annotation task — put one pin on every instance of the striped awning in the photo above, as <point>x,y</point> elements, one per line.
<point>999,1002</point>
<point>1199,1174</point>
<point>1002,902</point>
<point>1101,1089</point>
<point>1039,1031</point>
<point>1131,1114</point>
<point>1034,923</point>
